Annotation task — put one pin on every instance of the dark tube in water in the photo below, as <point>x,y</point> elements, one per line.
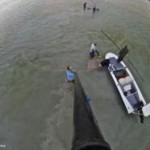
<point>87,135</point>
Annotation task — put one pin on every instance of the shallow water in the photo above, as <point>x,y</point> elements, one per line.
<point>38,40</point>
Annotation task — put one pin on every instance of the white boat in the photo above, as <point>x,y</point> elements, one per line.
<point>127,86</point>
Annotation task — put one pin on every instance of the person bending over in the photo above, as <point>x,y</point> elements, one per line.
<point>93,50</point>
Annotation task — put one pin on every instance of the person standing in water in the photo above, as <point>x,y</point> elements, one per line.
<point>141,112</point>
<point>84,6</point>
<point>94,9</point>
<point>70,74</point>
<point>123,52</point>
<point>93,50</point>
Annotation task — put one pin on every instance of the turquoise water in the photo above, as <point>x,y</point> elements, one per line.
<point>38,39</point>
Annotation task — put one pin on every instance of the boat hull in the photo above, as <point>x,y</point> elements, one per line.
<point>134,100</point>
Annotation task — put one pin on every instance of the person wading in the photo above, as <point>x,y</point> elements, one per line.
<point>70,74</point>
<point>84,6</point>
<point>94,9</point>
<point>93,50</point>
<point>123,52</point>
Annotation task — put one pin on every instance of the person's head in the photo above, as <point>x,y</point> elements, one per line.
<point>68,68</point>
<point>95,44</point>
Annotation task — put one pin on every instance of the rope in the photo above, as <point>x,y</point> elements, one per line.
<point>88,69</point>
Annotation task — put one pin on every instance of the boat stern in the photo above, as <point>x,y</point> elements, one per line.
<point>146,110</point>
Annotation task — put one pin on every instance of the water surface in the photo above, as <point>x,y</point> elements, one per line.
<point>38,40</point>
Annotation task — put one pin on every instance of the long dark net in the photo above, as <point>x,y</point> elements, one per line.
<point>87,135</point>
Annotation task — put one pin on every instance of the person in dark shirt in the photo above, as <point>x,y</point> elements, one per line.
<point>84,6</point>
<point>141,116</point>
<point>122,53</point>
<point>141,112</point>
<point>94,9</point>
<point>104,63</point>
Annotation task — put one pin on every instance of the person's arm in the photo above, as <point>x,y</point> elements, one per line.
<point>72,71</point>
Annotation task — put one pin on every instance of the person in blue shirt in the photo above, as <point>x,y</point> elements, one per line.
<point>70,74</point>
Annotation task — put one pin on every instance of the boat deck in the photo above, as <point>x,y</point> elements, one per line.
<point>120,72</point>
<point>117,65</point>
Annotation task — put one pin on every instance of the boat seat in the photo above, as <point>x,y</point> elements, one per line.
<point>134,100</point>
<point>127,87</point>
<point>125,81</point>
